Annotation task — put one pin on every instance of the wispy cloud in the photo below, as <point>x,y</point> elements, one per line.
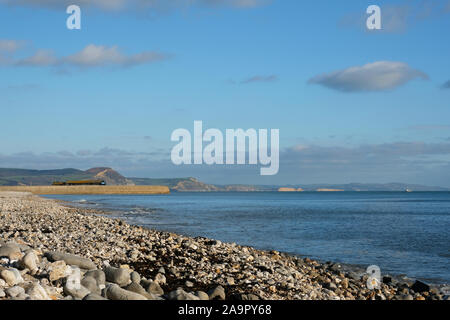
<point>270,78</point>
<point>429,127</point>
<point>95,56</point>
<point>377,76</point>
<point>410,162</point>
<point>89,57</point>
<point>10,46</point>
<point>446,85</point>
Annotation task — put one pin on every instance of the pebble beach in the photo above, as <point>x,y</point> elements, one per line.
<point>52,251</point>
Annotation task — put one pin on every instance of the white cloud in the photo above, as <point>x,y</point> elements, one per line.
<point>89,57</point>
<point>377,76</point>
<point>94,56</point>
<point>41,58</point>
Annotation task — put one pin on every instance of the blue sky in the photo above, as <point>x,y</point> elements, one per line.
<point>232,64</point>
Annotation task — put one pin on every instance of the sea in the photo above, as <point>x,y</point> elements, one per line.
<point>402,233</point>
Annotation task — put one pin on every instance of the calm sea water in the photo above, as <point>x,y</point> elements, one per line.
<point>402,233</point>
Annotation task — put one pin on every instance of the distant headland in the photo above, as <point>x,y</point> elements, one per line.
<point>27,177</point>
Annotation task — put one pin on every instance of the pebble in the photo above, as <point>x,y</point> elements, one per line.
<point>114,292</point>
<point>15,291</point>
<point>108,251</point>
<point>71,259</point>
<point>91,284</point>
<point>217,293</point>
<point>118,276</point>
<point>180,294</point>
<point>135,277</point>
<point>29,261</point>
<point>98,275</point>
<point>37,292</point>
<point>155,288</point>
<point>160,279</point>
<point>12,276</point>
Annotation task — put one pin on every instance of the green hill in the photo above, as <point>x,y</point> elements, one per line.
<point>26,177</point>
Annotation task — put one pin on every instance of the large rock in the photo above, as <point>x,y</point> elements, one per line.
<point>217,293</point>
<point>37,292</point>
<point>202,295</point>
<point>91,284</point>
<point>15,291</point>
<point>11,251</point>
<point>71,259</point>
<point>419,286</point>
<point>11,276</point>
<point>98,275</point>
<point>180,294</point>
<point>58,270</point>
<point>117,275</point>
<point>93,296</point>
<point>155,288</point>
<point>78,291</point>
<point>29,261</point>
<point>137,288</point>
<point>114,292</point>
<point>135,277</point>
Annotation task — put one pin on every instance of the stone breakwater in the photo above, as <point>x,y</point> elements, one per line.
<point>50,252</point>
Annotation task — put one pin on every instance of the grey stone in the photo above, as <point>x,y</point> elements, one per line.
<point>29,261</point>
<point>91,284</point>
<point>202,295</point>
<point>37,292</point>
<point>135,277</point>
<point>11,251</point>
<point>2,293</point>
<point>71,259</point>
<point>78,291</point>
<point>137,288</point>
<point>98,275</point>
<point>180,294</point>
<point>15,291</point>
<point>118,276</point>
<point>217,293</point>
<point>330,286</point>
<point>11,276</point>
<point>93,296</point>
<point>155,288</point>
<point>114,292</point>
<point>21,296</point>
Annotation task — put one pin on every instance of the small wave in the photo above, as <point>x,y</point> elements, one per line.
<point>141,211</point>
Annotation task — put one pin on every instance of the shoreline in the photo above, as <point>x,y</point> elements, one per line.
<point>349,267</point>
<point>172,266</point>
<point>86,190</point>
